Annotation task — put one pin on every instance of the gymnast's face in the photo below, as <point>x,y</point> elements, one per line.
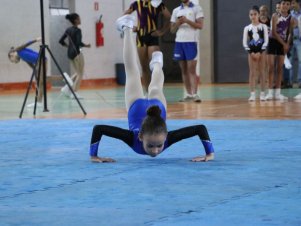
<point>254,16</point>
<point>13,57</point>
<point>153,144</point>
<point>285,6</point>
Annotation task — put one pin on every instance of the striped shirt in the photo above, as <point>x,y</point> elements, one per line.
<point>147,16</point>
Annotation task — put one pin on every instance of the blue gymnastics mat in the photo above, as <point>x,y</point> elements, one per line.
<point>46,177</point>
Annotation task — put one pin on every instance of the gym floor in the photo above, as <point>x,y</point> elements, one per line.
<point>46,177</point>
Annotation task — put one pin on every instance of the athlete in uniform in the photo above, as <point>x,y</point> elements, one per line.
<point>279,40</point>
<point>31,57</point>
<point>147,134</point>
<point>255,41</point>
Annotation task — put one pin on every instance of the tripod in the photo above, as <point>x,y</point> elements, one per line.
<point>41,62</point>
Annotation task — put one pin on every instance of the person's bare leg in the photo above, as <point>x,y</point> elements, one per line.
<point>185,76</point>
<point>270,94</point>
<point>41,81</point>
<point>191,69</point>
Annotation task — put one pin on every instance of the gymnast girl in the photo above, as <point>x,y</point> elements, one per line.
<point>31,57</point>
<point>147,134</point>
<point>255,42</point>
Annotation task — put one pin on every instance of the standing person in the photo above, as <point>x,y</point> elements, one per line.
<point>255,41</point>
<point>30,57</point>
<point>185,20</point>
<point>264,18</point>
<point>278,46</point>
<point>74,35</point>
<point>147,134</point>
<point>296,45</point>
<point>148,33</point>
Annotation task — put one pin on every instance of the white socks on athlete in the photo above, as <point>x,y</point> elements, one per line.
<point>277,96</point>
<point>157,57</point>
<point>262,96</point>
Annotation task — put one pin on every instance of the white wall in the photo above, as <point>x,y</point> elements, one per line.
<point>100,62</point>
<point>19,23</point>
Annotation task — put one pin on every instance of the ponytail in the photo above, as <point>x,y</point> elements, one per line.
<point>72,17</point>
<point>153,123</point>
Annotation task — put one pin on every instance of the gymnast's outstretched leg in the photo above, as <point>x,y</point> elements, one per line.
<point>156,86</point>
<point>133,85</point>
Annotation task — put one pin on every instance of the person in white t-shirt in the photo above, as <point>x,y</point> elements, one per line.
<point>185,20</point>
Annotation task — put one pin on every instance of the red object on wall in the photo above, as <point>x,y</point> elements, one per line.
<point>99,36</point>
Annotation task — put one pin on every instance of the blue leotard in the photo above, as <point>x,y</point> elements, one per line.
<point>136,114</point>
<point>28,55</point>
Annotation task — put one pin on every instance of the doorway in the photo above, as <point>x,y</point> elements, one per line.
<point>58,24</point>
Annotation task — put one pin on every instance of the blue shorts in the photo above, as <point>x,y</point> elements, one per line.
<point>185,51</point>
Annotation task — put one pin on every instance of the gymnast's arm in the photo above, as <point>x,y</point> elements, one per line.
<point>126,136</point>
<point>187,132</point>
<point>19,48</point>
<point>62,40</point>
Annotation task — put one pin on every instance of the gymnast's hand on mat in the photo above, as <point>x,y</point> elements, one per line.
<point>203,158</point>
<point>99,159</point>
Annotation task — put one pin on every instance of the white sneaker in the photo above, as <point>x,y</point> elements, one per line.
<point>269,97</point>
<point>156,3</point>
<point>197,99</point>
<point>187,99</point>
<point>77,95</point>
<point>287,63</point>
<point>124,22</point>
<point>66,91</point>
<point>298,97</point>
<point>262,97</point>
<point>252,97</point>
<point>39,105</point>
<point>280,97</point>
<point>157,57</point>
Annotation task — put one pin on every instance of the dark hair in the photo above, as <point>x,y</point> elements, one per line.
<point>153,123</point>
<point>72,17</point>
<point>255,8</point>
<point>285,1</point>
<point>12,49</point>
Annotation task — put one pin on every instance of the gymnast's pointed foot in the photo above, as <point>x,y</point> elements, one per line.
<point>205,158</point>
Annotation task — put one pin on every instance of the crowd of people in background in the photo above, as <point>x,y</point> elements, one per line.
<point>273,44</point>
